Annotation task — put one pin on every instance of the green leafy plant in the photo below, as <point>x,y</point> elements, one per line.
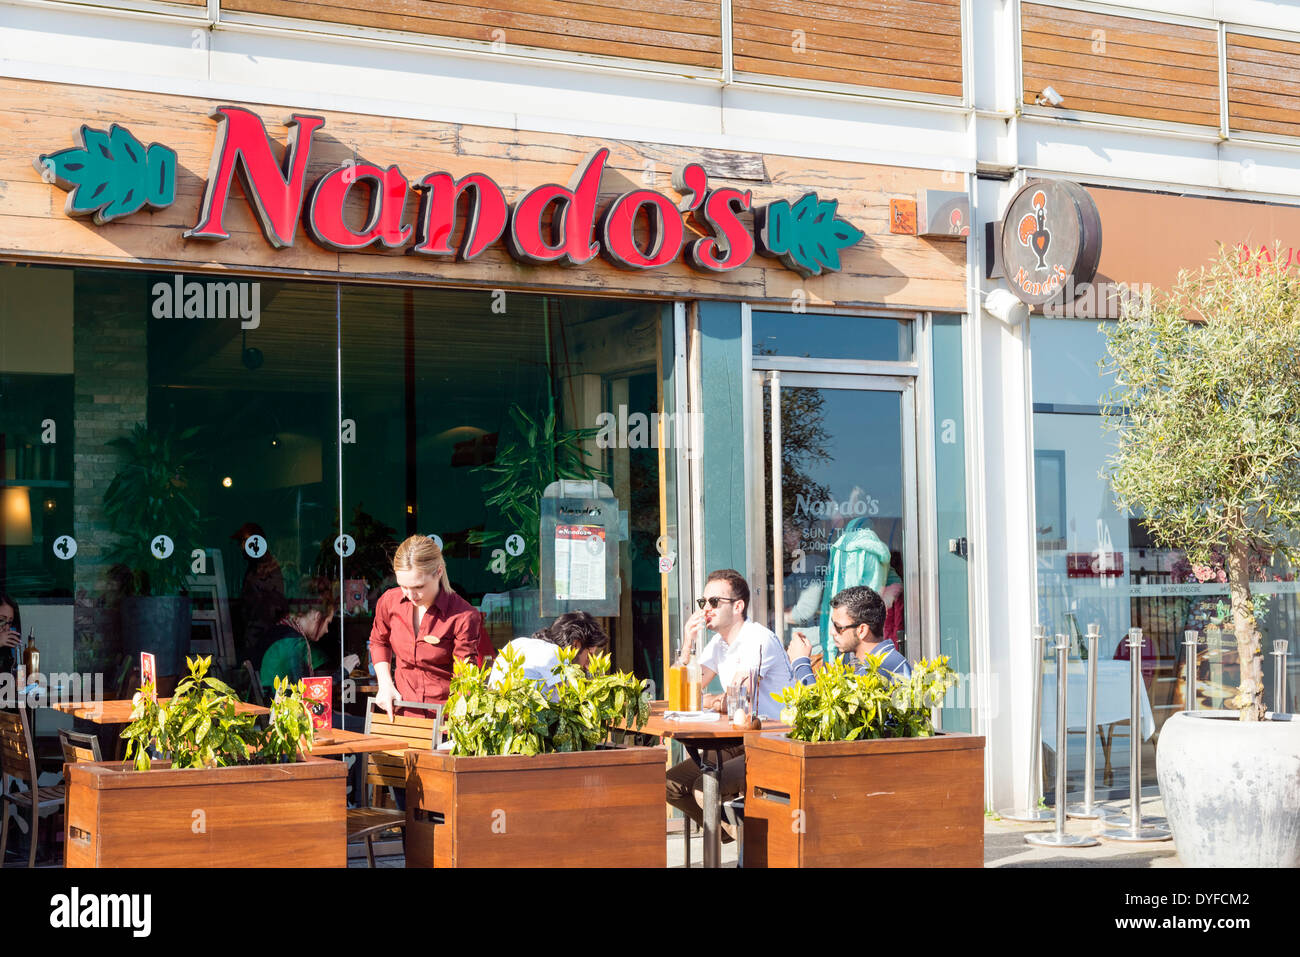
<point>516,715</point>
<point>199,727</point>
<point>149,496</point>
<point>520,474</point>
<point>807,237</point>
<point>841,705</point>
<point>289,724</point>
<point>371,560</point>
<point>111,174</point>
<point>1206,411</point>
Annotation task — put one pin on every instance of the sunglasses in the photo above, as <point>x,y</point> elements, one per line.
<point>713,602</point>
<point>838,630</point>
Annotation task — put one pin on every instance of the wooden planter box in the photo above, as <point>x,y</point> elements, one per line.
<point>582,809</point>
<point>896,802</point>
<point>274,815</point>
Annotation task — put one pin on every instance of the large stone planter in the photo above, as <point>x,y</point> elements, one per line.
<point>159,624</point>
<point>1231,789</point>
<point>894,802</point>
<point>267,815</point>
<point>601,808</point>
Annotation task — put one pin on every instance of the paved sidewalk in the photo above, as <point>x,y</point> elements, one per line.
<point>1004,843</point>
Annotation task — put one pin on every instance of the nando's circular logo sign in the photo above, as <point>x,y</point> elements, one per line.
<point>1051,240</point>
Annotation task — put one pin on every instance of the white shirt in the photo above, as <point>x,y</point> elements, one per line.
<point>735,661</point>
<point>541,658</point>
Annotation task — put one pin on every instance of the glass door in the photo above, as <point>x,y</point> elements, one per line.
<point>838,508</point>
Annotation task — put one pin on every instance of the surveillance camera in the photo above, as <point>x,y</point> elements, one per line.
<point>1005,307</point>
<point>1049,96</point>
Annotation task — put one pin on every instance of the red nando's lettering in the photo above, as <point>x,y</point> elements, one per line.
<point>548,224</point>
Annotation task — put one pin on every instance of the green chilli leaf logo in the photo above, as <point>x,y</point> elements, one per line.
<point>807,237</point>
<point>110,174</point>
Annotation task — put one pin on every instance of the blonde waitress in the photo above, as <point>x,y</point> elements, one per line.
<point>421,626</point>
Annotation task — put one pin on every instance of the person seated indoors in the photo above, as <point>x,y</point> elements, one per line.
<point>292,651</point>
<point>541,650</point>
<point>857,619</point>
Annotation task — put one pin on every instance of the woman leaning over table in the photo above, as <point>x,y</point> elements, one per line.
<point>421,627</point>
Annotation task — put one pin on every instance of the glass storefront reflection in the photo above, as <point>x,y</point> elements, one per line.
<point>1098,565</point>
<point>300,431</point>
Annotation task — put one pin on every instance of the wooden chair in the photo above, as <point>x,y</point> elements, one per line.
<point>254,685</point>
<point>388,769</point>
<point>79,748</point>
<point>18,761</point>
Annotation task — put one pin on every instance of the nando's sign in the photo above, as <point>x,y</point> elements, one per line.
<point>1051,240</point>
<point>111,174</point>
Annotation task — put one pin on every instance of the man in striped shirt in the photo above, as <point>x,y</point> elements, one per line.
<point>857,619</point>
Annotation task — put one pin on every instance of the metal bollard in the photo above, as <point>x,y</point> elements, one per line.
<point>1088,810</point>
<point>1191,641</point>
<point>1133,829</point>
<point>1279,676</point>
<point>1058,837</point>
<point>1031,812</point>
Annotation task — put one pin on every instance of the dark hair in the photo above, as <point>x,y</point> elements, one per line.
<point>736,581</point>
<point>864,606</point>
<point>9,657</point>
<point>575,629</point>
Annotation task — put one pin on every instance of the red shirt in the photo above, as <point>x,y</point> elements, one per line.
<point>422,665</point>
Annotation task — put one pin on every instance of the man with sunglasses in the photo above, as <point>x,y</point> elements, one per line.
<point>739,648</point>
<point>857,620</point>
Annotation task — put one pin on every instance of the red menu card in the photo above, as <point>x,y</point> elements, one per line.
<point>320,697</point>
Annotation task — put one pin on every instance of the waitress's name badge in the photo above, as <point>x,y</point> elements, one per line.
<point>431,639</point>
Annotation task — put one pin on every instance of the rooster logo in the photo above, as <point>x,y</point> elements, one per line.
<point>1033,231</point>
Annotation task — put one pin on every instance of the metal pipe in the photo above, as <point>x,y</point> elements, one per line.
<point>1134,830</point>
<point>1135,729</point>
<point>1062,732</point>
<point>1279,676</point>
<point>1191,642</point>
<point>1058,837</point>
<point>1034,790</point>
<point>1088,809</point>
<point>778,527</point>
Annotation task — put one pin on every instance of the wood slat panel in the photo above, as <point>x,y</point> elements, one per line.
<point>38,118</point>
<point>1076,45</point>
<point>909,45</point>
<point>1123,66</point>
<point>1263,85</point>
<point>1194,98</point>
<point>686,32</point>
<point>1151,34</point>
<point>809,71</point>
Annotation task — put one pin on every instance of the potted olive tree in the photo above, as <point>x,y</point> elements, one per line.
<point>1206,411</point>
<point>148,507</point>
<point>862,778</point>
<point>529,779</point>
<point>227,792</point>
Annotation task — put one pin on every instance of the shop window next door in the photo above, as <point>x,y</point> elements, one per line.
<point>837,479</point>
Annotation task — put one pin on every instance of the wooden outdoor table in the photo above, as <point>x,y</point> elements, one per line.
<point>118,711</point>
<point>708,738</point>
<point>336,741</point>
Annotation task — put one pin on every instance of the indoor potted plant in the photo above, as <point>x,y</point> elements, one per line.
<point>147,503</point>
<point>1206,408</point>
<point>518,477</point>
<point>862,779</point>
<point>228,792</point>
<point>529,779</point>
<point>365,571</point>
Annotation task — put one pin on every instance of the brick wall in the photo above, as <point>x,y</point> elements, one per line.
<point>110,395</point>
